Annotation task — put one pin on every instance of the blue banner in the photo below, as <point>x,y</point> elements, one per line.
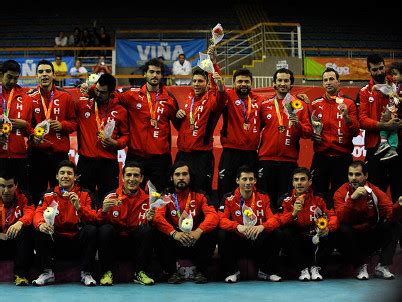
<point>28,68</point>
<point>136,53</point>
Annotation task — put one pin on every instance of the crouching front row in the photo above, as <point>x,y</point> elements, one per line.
<point>181,224</point>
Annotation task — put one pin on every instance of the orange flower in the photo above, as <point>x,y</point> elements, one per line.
<point>296,104</point>
<point>322,223</point>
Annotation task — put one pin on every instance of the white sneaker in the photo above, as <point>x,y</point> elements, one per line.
<point>362,273</point>
<point>304,275</point>
<point>233,278</point>
<point>383,272</point>
<point>263,276</point>
<point>87,279</point>
<point>315,274</point>
<point>44,278</point>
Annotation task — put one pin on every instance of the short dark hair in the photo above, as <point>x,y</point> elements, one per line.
<point>10,65</point>
<point>244,169</point>
<point>359,163</point>
<point>133,164</point>
<point>67,163</point>
<point>242,72</point>
<point>374,58</point>
<point>44,62</point>
<point>302,170</point>
<point>153,62</point>
<point>7,175</point>
<point>330,69</point>
<point>108,80</point>
<point>199,71</point>
<point>287,71</point>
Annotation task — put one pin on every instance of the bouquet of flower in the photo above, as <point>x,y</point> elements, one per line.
<point>291,104</point>
<point>217,34</point>
<point>156,200</point>
<point>42,129</point>
<point>249,218</point>
<point>50,213</point>
<point>320,224</point>
<point>186,222</point>
<point>205,63</point>
<point>107,130</point>
<point>317,124</point>
<point>92,79</point>
<point>5,125</point>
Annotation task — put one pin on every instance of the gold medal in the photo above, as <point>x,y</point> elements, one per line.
<point>281,128</point>
<point>154,123</point>
<point>191,127</point>
<point>246,126</point>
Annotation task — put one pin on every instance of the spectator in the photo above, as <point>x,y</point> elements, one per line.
<point>167,72</point>
<point>78,72</point>
<point>87,40</point>
<point>182,67</point>
<point>102,39</point>
<point>75,37</point>
<point>60,70</point>
<point>60,40</point>
<point>102,67</point>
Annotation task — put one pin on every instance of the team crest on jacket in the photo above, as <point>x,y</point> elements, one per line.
<point>173,212</point>
<point>139,106</point>
<point>237,103</point>
<point>115,213</point>
<point>37,110</point>
<point>87,114</point>
<point>238,213</point>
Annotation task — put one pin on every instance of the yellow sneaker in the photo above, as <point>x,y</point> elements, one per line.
<point>107,278</point>
<point>143,279</point>
<point>21,281</point>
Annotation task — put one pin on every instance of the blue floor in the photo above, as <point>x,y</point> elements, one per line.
<point>247,291</point>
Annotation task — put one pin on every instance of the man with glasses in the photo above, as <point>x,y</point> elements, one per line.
<point>373,120</point>
<point>102,131</point>
<point>45,152</point>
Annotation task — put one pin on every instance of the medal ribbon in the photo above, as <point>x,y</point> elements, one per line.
<point>278,113</point>
<point>152,111</point>
<point>176,202</point>
<point>246,113</point>
<point>193,116</point>
<point>45,109</point>
<point>252,205</point>
<point>6,109</point>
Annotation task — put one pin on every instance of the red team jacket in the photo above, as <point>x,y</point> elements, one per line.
<point>204,215</point>
<point>305,218</point>
<point>336,135</point>
<point>372,104</point>
<point>20,108</point>
<point>67,222</point>
<point>129,214</point>
<point>282,146</point>
<point>233,134</point>
<point>232,215</point>
<point>364,212</point>
<point>146,139</point>
<point>206,110</point>
<point>22,209</point>
<point>88,143</point>
<point>62,110</point>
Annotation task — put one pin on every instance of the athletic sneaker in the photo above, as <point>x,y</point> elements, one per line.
<point>362,273</point>
<point>200,278</point>
<point>86,279</point>
<point>390,154</point>
<point>142,278</point>
<point>263,276</point>
<point>107,278</point>
<point>45,278</point>
<point>233,278</point>
<point>174,278</point>
<point>382,271</point>
<point>315,274</point>
<point>382,147</point>
<point>304,275</point>
<point>21,281</point>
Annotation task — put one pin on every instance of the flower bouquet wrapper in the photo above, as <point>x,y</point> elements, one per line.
<point>50,213</point>
<point>186,222</point>
<point>316,124</point>
<point>205,63</point>
<point>108,129</point>
<point>42,129</point>
<point>249,218</point>
<point>321,223</point>
<point>217,34</point>
<point>92,79</point>
<point>157,200</point>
